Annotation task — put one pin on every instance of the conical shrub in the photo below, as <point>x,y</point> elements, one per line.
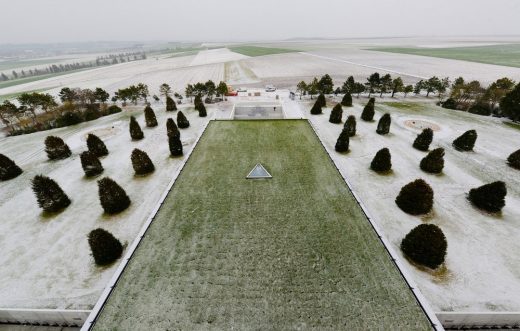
<point>514,160</point>
<point>368,111</point>
<point>8,169</point>
<point>171,128</point>
<point>383,127</point>
<point>489,197</point>
<point>321,100</point>
<point>170,104</point>
<point>350,126</point>
<point>135,130</point>
<point>347,100</point>
<point>49,194</point>
<point>434,161</point>
<point>96,145</point>
<point>104,246</point>
<point>149,117</point>
<point>466,142</point>
<point>201,109</point>
<point>342,142</point>
<point>56,148</point>
<point>382,161</point>
<point>415,198</point>
<point>182,121</point>
<point>423,140</point>
<point>112,196</point>
<point>175,145</point>
<point>90,164</point>
<point>141,162</point>
<point>316,108</point>
<point>335,114</point>
<point>425,245</point>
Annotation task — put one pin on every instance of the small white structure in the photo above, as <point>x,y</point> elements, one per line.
<point>259,172</point>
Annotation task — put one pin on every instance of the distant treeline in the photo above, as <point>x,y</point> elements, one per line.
<point>57,68</point>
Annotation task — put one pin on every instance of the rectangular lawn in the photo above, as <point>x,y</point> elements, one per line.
<point>291,252</point>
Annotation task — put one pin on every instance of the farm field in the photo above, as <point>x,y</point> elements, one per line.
<point>505,55</point>
<point>480,273</point>
<point>294,251</point>
<point>259,50</point>
<point>48,262</point>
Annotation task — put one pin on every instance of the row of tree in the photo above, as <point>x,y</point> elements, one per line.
<point>58,68</point>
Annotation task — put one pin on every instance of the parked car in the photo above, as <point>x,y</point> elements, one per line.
<point>270,88</point>
<point>242,89</point>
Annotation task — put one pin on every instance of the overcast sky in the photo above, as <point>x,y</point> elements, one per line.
<point>27,21</point>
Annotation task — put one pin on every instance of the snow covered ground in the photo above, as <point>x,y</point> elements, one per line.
<point>482,270</point>
<point>46,261</point>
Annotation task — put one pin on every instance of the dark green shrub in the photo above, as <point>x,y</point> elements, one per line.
<point>466,142</point>
<point>489,197</point>
<point>383,127</point>
<point>135,130</point>
<point>113,109</point>
<point>201,109</point>
<point>434,161</point>
<point>423,140</point>
<point>175,145</point>
<point>170,104</point>
<point>112,196</point>
<point>347,100</point>
<point>92,113</point>
<point>415,198</point>
<point>49,194</point>
<point>171,128</point>
<point>182,121</point>
<point>316,108</point>
<point>335,114</point>
<point>56,148</point>
<point>96,146</point>
<point>342,142</point>
<point>90,164</point>
<point>350,125</point>
<point>450,104</point>
<point>141,162</point>
<point>104,246</point>
<point>480,109</point>
<point>425,245</point>
<point>67,119</point>
<point>8,169</point>
<point>382,161</point>
<point>514,160</point>
<point>368,111</point>
<point>149,117</point>
<point>321,100</point>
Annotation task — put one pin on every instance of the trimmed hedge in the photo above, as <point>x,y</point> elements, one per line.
<point>90,164</point>
<point>383,127</point>
<point>335,114</point>
<point>423,140</point>
<point>8,168</point>
<point>56,148</point>
<point>514,160</point>
<point>49,194</point>
<point>112,196</point>
<point>415,198</point>
<point>368,112</point>
<point>342,142</point>
<point>104,246</point>
<point>425,245</point>
<point>149,117</point>
<point>182,121</point>
<point>466,141</point>
<point>489,197</point>
<point>347,100</point>
<point>96,146</point>
<point>135,130</point>
<point>141,162</point>
<point>382,161</point>
<point>434,161</point>
<point>350,125</point>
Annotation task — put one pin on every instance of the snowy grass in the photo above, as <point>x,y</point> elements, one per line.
<point>46,261</point>
<point>259,51</point>
<point>481,272</point>
<point>291,252</point>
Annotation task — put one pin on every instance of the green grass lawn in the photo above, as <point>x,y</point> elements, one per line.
<point>259,51</point>
<point>505,55</point>
<point>291,252</point>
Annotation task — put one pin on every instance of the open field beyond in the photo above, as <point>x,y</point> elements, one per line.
<point>259,51</point>
<point>505,55</point>
<point>291,252</point>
